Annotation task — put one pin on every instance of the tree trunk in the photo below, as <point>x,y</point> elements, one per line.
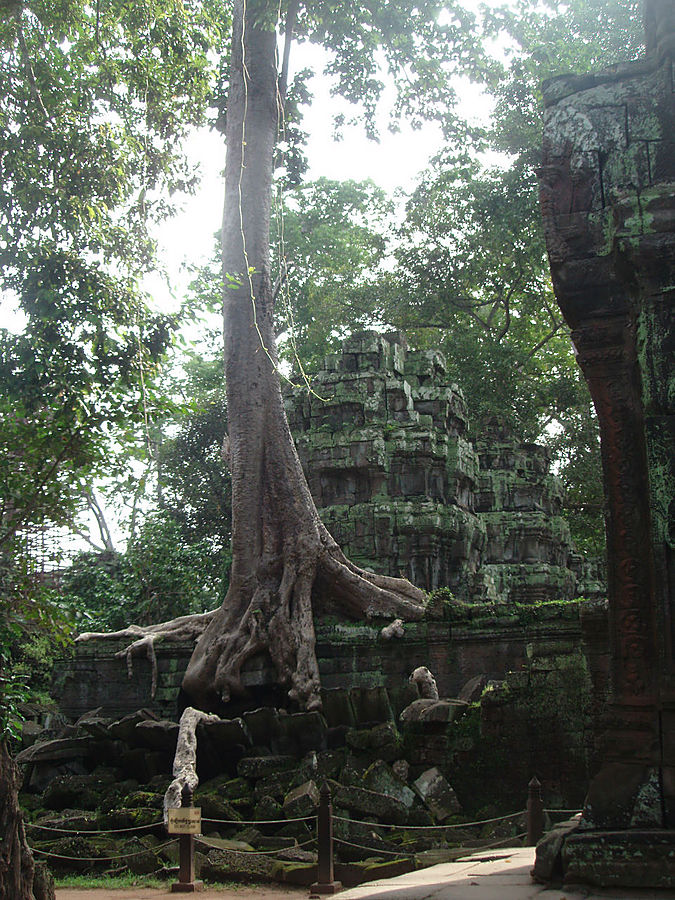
<point>282,555</point>
<point>16,859</point>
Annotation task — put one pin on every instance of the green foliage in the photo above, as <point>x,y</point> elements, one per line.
<point>159,577</point>
<point>329,240</point>
<point>34,629</point>
<point>419,46</point>
<point>95,101</point>
<point>194,487</point>
<point>473,279</point>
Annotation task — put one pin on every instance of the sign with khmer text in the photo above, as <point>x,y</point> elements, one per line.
<point>187,820</point>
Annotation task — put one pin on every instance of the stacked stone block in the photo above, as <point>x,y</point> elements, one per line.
<point>383,436</point>
<point>527,556</point>
<point>382,439</point>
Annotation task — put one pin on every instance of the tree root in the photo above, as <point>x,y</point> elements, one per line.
<point>273,612</point>
<point>185,760</point>
<point>183,628</point>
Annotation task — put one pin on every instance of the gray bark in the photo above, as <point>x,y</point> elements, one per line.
<point>281,550</point>
<point>16,859</point>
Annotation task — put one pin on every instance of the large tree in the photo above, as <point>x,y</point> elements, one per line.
<point>95,100</point>
<point>283,559</point>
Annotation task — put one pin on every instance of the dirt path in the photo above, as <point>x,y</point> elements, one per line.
<point>235,891</point>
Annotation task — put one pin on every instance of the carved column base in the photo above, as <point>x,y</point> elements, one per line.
<point>635,858</point>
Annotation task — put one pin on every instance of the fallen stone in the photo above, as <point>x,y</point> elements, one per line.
<point>262,724</point>
<point>426,710</point>
<point>226,734</point>
<point>125,728</point>
<point>382,741</point>
<point>259,766</point>
<point>337,707</point>
<point>30,733</point>
<point>380,778</point>
<point>301,732</point>
<point>161,735</point>
<point>548,861</point>
<point>95,723</point>
<point>226,865</point>
<point>59,750</point>
<point>437,794</point>
<point>354,873</point>
<point>301,801</point>
<point>369,803</point>
<point>214,805</point>
<point>401,768</point>
<point>267,809</point>
<point>473,689</point>
<point>330,762</point>
<point>276,785</point>
<point>371,705</point>
<point>140,859</point>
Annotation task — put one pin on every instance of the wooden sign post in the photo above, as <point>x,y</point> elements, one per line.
<point>186,822</point>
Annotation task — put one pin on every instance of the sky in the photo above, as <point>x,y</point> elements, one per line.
<point>393,163</point>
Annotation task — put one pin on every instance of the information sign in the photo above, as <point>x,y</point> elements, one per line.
<point>187,820</point>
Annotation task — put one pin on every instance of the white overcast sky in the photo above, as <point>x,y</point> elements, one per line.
<point>392,163</point>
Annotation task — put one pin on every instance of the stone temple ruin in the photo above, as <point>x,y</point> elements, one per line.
<point>608,189</point>
<point>559,689</point>
<point>404,489</point>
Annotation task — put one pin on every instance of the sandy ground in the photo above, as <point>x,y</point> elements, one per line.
<point>236,892</point>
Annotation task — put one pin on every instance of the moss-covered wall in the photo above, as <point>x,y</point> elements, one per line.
<point>405,490</point>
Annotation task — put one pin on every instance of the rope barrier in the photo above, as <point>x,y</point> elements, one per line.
<point>570,812</point>
<point>374,850</point>
<point>379,851</point>
<point>432,827</point>
<point>97,859</point>
<point>256,852</point>
<point>259,821</point>
<point>93,830</point>
<point>502,842</point>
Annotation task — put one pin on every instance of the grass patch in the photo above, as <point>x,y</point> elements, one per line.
<point>125,880</point>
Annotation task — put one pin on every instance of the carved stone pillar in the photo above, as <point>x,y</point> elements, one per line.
<point>608,202</point>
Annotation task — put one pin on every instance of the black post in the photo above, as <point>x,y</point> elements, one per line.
<point>186,883</point>
<point>325,882</point>
<point>535,812</point>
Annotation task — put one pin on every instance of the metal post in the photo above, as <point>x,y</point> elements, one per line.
<point>535,812</point>
<point>186,883</point>
<point>325,883</point>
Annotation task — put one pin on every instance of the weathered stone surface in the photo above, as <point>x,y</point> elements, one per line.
<point>438,711</point>
<point>125,728</point>
<point>55,751</point>
<point>635,858</point>
<point>548,864</point>
<point>225,734</point>
<point>401,487</point>
<point>369,803</point>
<point>301,801</point>
<point>383,741</point>
<point>472,690</point>
<point>79,791</point>
<point>371,705</point>
<point>224,865</point>
<point>381,779</point>
<point>301,732</point>
<point>437,794</point>
<point>160,735</point>
<point>259,766</point>
<point>262,725</point>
